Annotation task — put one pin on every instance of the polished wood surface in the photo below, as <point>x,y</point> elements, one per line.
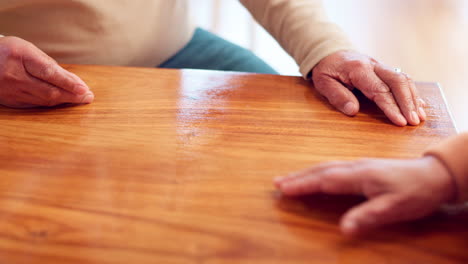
<point>170,166</point>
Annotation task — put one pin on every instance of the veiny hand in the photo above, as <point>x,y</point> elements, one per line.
<point>393,92</point>
<point>397,190</point>
<point>29,78</point>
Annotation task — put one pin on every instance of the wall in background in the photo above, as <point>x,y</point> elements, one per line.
<point>428,39</point>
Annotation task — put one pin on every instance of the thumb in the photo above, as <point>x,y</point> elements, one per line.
<point>47,70</point>
<point>376,212</point>
<point>338,95</point>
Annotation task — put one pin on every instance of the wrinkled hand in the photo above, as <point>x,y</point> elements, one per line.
<point>394,92</point>
<point>29,78</point>
<point>397,190</point>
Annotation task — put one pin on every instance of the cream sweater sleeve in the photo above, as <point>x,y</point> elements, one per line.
<point>301,27</point>
<point>453,152</point>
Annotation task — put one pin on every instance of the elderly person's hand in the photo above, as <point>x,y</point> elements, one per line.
<point>394,92</point>
<point>397,190</point>
<point>29,78</point>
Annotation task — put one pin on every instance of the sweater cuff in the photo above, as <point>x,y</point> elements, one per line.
<point>453,153</point>
<point>334,41</point>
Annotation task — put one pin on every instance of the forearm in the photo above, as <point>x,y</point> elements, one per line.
<point>301,27</point>
<point>453,153</point>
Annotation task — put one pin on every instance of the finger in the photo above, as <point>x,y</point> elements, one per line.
<point>58,96</point>
<point>49,71</point>
<point>50,95</point>
<point>338,95</point>
<point>75,77</point>
<point>376,212</point>
<point>401,90</point>
<point>376,90</point>
<point>344,179</point>
<point>383,210</point>
<point>418,102</point>
<point>307,171</point>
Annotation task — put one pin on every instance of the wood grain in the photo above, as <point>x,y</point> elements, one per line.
<point>170,166</point>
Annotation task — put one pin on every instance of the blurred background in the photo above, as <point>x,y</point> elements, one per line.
<point>428,39</point>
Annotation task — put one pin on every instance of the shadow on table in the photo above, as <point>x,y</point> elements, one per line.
<point>366,107</point>
<point>35,110</point>
<point>328,209</point>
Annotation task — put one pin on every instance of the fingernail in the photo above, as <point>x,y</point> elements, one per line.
<point>415,118</point>
<point>402,120</point>
<point>88,98</point>
<point>422,113</point>
<point>80,89</point>
<point>349,227</point>
<point>349,108</point>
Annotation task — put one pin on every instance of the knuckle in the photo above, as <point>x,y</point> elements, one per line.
<point>358,64</point>
<point>52,97</point>
<point>385,98</point>
<point>377,88</point>
<point>10,52</point>
<point>47,71</point>
<point>400,79</point>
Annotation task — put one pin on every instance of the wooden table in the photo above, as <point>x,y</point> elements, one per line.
<point>170,166</point>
